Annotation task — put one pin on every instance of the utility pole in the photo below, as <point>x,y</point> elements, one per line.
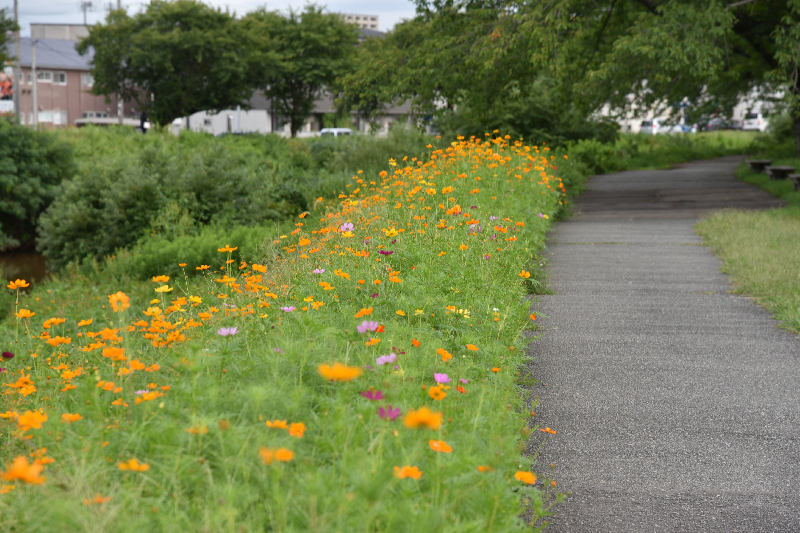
<point>85,6</point>
<point>120,103</point>
<point>35,120</point>
<point>16,70</point>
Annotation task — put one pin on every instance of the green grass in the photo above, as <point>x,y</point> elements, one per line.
<point>442,285</point>
<point>761,250</point>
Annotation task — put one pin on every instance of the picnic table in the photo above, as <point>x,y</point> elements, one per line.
<point>796,180</point>
<point>758,165</point>
<point>779,172</point>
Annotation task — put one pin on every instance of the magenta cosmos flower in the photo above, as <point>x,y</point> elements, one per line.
<point>382,360</point>
<point>389,412</point>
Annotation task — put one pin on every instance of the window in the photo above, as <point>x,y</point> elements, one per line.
<point>87,80</point>
<point>60,78</point>
<point>44,76</point>
<point>59,118</point>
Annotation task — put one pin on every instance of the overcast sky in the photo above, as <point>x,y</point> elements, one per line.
<point>69,11</point>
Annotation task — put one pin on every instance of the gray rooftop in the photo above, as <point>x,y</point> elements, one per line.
<point>51,54</point>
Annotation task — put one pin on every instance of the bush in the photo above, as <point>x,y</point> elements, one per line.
<point>32,165</point>
<point>168,193</point>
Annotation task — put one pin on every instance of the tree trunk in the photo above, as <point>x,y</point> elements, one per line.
<point>293,128</point>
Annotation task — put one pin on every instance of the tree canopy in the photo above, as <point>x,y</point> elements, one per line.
<point>7,26</point>
<point>487,58</point>
<point>177,58</point>
<point>315,48</point>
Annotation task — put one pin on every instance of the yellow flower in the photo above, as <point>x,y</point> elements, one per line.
<point>401,313</point>
<point>419,312</point>
<point>24,313</point>
<point>164,288</point>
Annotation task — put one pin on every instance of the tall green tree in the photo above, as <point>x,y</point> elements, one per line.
<point>177,57</point>
<point>7,27</point>
<point>315,48</point>
<point>628,55</point>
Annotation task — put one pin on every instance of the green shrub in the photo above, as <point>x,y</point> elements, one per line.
<point>169,193</point>
<point>32,165</point>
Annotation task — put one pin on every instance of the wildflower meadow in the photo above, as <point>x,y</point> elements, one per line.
<point>362,372</point>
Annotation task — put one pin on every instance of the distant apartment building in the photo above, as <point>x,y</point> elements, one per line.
<point>368,22</point>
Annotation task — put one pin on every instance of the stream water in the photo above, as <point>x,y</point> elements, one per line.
<point>29,266</point>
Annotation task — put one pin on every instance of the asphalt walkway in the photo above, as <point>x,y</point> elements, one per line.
<point>676,404</point>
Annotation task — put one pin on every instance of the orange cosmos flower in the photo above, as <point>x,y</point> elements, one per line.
<point>524,274</point>
<point>304,241</point>
<point>277,424</point>
<point>525,477</point>
<point>485,468</point>
<point>202,267</point>
<point>161,279</point>
<point>259,268</point>
<point>548,430</point>
<point>364,312</point>
<point>472,347</point>
<point>415,342</point>
<point>69,418</point>
<point>24,313</point>
<point>437,393</point>
<point>281,454</point>
<point>372,342</point>
<point>87,322</point>
<point>31,420</point>
<point>97,500</point>
<point>424,417</point>
<point>407,471</point>
<point>440,446</point>
<point>18,284</point>
<point>115,354</point>
<point>532,317</point>
<point>197,430</point>
<point>339,372</point>
<point>21,470</point>
<point>495,369</point>
<point>227,249</point>
<point>297,429</point>
<point>119,301</point>
<point>134,466</point>
<point>445,354</point>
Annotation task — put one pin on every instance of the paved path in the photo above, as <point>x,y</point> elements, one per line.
<point>676,404</point>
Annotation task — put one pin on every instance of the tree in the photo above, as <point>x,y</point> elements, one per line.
<point>315,48</point>
<point>624,54</point>
<point>7,27</point>
<point>177,58</point>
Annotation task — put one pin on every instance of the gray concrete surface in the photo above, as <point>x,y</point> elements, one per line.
<point>676,404</point>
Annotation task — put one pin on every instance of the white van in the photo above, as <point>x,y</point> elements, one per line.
<point>755,122</point>
<point>657,125</point>
<point>336,132</point>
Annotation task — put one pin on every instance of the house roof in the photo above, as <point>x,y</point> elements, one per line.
<point>51,54</point>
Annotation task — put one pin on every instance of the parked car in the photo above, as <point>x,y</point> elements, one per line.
<point>336,132</point>
<point>660,125</point>
<point>755,122</point>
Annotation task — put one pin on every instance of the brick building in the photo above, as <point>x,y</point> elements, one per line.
<point>63,84</point>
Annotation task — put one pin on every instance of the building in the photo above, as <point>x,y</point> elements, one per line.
<point>367,22</point>
<point>63,80</point>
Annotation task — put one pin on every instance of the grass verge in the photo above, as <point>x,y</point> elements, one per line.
<point>359,373</point>
<point>761,250</point>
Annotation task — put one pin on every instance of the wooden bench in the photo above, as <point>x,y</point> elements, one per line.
<point>796,180</point>
<point>758,165</point>
<point>779,173</point>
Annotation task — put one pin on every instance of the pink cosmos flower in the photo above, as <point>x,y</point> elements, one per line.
<point>288,309</point>
<point>382,360</point>
<point>228,331</point>
<point>372,394</point>
<point>441,378</point>
<point>367,325</point>
<point>389,412</point>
